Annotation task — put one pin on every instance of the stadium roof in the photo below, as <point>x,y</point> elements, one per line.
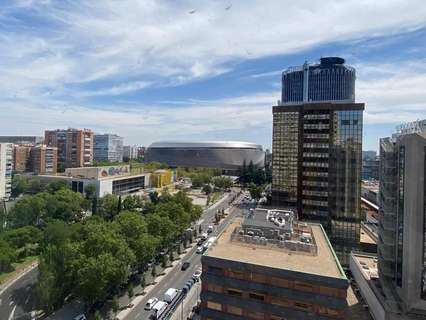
<point>205,145</point>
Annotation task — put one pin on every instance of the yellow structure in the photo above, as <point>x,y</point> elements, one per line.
<point>161,178</point>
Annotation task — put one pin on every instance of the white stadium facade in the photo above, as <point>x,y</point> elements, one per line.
<point>226,155</point>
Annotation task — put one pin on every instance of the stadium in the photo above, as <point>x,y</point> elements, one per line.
<point>226,155</point>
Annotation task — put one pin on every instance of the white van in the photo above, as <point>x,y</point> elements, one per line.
<point>159,308</point>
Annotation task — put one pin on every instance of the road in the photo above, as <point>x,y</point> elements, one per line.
<point>18,300</point>
<point>177,278</point>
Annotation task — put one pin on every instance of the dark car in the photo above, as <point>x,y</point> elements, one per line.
<point>200,242</point>
<point>185,265</point>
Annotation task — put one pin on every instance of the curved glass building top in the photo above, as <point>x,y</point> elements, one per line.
<point>329,80</point>
<point>205,145</point>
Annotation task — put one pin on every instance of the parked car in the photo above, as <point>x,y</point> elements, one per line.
<point>80,317</point>
<point>185,265</point>
<point>150,303</point>
<point>200,249</point>
<point>210,229</point>
<point>200,242</point>
<point>196,276</point>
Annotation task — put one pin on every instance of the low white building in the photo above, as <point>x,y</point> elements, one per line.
<point>116,180</point>
<point>6,166</point>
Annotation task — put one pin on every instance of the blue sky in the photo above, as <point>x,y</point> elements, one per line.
<point>200,70</point>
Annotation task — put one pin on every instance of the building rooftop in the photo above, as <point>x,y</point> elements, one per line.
<point>323,263</point>
<point>205,144</point>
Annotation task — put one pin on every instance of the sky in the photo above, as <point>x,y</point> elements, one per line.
<point>153,70</point>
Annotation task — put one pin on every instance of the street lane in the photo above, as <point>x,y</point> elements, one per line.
<point>177,278</point>
<point>17,301</point>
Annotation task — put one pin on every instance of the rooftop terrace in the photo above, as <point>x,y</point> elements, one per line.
<point>323,263</point>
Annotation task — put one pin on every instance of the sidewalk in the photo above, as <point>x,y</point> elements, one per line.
<point>137,300</point>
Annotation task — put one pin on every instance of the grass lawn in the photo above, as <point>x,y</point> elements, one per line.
<point>215,196</point>
<point>18,266</point>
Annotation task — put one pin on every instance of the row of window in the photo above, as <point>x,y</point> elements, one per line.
<point>274,300</point>
<point>277,282</point>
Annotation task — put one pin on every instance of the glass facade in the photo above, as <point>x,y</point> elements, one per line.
<point>400,217</point>
<point>316,167</point>
<point>107,147</point>
<point>285,146</point>
<point>423,284</point>
<point>329,80</point>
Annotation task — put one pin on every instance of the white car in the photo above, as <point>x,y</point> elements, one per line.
<point>196,276</point>
<point>80,317</point>
<point>150,303</point>
<point>200,249</point>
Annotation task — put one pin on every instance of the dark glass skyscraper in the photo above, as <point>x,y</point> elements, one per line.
<point>329,80</point>
<point>317,153</point>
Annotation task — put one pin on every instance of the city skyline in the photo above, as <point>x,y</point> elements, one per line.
<point>148,71</point>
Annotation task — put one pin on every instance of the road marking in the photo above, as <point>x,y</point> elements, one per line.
<point>12,314</point>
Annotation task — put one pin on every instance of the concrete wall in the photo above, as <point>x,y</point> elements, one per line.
<point>376,309</point>
<point>414,215</point>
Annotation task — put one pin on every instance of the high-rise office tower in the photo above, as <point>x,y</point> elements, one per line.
<point>107,147</point>
<point>75,146</point>
<point>329,80</point>
<point>402,218</point>
<point>6,165</point>
<point>44,159</point>
<point>317,149</point>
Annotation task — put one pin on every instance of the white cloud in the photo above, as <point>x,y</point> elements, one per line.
<point>117,90</point>
<point>393,93</point>
<point>131,39</point>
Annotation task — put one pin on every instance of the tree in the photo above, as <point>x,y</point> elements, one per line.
<point>171,258</point>
<point>54,186</point>
<point>90,191</point>
<point>115,305</point>
<point>207,189</point>
<point>98,315</point>
<point>153,272</point>
<point>19,185</point>
<point>222,182</point>
<point>107,207</point>
<point>130,291</point>
<point>34,186</point>
<point>143,281</point>
<point>200,229</point>
<point>7,256</point>
<point>102,261</point>
<point>153,196</point>
<point>255,191</point>
<point>119,205</point>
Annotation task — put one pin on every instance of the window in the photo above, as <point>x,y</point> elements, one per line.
<point>256,296</point>
<point>214,288</point>
<point>234,292</point>
<point>214,305</point>
<point>328,312</point>
<point>236,274</point>
<point>329,291</point>
<point>280,301</point>
<point>215,270</point>
<point>283,283</point>
<point>303,306</point>
<point>234,310</point>
<point>303,286</point>
<point>256,315</point>
<point>260,278</point>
